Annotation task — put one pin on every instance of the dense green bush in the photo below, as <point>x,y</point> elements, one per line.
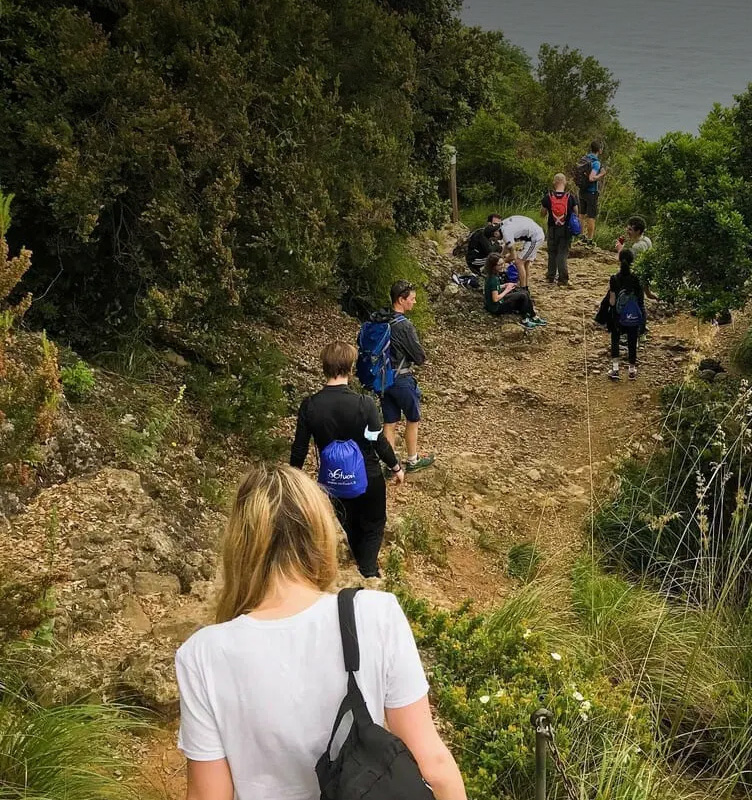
<point>491,671</point>
<point>695,190</point>
<point>743,352</point>
<point>370,274</point>
<point>176,163</point>
<point>682,517</point>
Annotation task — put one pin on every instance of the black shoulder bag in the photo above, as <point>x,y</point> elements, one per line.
<point>372,764</point>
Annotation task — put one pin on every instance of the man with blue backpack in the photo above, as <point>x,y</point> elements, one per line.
<point>587,175</point>
<point>349,437</point>
<point>388,349</point>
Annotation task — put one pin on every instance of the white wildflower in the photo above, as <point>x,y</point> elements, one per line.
<point>556,656</point>
<point>578,697</point>
<point>484,699</point>
<point>499,693</point>
<point>583,716</point>
<point>528,633</point>
<point>586,706</point>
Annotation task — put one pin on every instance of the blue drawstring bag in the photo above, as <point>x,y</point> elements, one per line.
<point>513,274</point>
<point>342,470</point>
<point>575,227</point>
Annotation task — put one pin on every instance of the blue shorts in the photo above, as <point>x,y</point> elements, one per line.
<point>402,397</point>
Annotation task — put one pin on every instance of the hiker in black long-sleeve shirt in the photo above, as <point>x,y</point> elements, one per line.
<point>337,413</point>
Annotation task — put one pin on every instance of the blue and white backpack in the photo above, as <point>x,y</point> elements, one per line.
<point>628,309</point>
<point>342,469</point>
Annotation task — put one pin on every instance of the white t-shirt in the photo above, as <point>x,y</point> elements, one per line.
<point>264,693</point>
<point>518,228</point>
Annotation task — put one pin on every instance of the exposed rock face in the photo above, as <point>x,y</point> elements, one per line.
<point>124,601</point>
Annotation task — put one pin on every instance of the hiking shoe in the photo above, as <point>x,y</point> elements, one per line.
<point>455,278</point>
<point>528,324</point>
<point>421,463</point>
<point>613,374</point>
<point>539,320</point>
<point>633,373</point>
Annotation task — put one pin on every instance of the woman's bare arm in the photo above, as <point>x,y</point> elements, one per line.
<point>414,725</point>
<point>209,780</point>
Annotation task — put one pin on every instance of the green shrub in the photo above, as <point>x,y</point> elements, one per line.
<point>65,752</point>
<point>491,671</point>
<point>29,371</point>
<point>370,271</point>
<point>416,534</point>
<point>244,395</point>
<point>743,352</point>
<point>691,665</point>
<point>523,561</point>
<point>682,517</point>
<point>78,381</point>
<point>145,444</point>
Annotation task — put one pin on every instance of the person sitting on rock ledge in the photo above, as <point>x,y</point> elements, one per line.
<point>503,295</point>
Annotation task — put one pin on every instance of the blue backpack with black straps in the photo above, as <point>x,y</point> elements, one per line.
<point>628,309</point>
<point>374,367</point>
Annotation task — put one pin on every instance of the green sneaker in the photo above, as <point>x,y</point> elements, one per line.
<point>421,463</point>
<point>528,324</point>
<point>539,320</point>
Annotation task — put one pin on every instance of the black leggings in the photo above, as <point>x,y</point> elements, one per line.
<point>516,302</point>
<point>632,334</point>
<point>363,519</point>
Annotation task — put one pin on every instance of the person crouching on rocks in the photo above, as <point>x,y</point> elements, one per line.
<point>503,295</point>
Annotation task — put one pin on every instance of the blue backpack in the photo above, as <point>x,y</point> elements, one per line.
<point>374,366</point>
<point>342,469</point>
<point>628,309</point>
<point>575,227</point>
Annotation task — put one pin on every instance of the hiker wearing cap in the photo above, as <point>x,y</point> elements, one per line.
<point>404,396</point>
<point>503,295</point>
<point>558,206</point>
<point>346,428</point>
<point>527,233</point>
<point>587,173</point>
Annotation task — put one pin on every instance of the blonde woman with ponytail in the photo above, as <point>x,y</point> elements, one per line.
<point>259,690</point>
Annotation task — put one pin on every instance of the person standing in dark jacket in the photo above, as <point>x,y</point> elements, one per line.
<point>403,396</point>
<point>627,282</point>
<point>338,413</point>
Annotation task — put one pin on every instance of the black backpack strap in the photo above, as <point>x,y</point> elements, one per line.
<point>347,628</point>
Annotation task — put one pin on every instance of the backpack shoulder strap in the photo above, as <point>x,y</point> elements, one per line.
<point>347,628</point>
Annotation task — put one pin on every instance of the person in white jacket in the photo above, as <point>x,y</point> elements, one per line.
<point>529,234</point>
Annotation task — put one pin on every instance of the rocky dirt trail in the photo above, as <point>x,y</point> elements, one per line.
<point>526,428</point>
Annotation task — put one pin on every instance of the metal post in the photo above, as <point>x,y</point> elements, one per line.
<point>453,185</point>
<point>541,722</point>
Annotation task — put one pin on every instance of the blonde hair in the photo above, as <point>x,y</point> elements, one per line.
<point>281,525</point>
<point>560,177</point>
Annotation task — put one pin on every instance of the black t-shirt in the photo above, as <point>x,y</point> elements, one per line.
<point>546,203</point>
<point>337,412</point>
<point>631,283</point>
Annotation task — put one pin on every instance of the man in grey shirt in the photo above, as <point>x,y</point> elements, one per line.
<point>635,239</point>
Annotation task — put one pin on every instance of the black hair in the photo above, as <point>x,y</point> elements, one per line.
<point>626,259</point>
<point>401,289</point>
<point>637,223</point>
<point>489,230</point>
<point>490,217</point>
<point>595,147</point>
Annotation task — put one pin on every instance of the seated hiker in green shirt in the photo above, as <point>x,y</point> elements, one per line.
<point>503,295</point>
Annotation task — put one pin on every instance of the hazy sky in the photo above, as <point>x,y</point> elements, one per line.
<point>673,58</point>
